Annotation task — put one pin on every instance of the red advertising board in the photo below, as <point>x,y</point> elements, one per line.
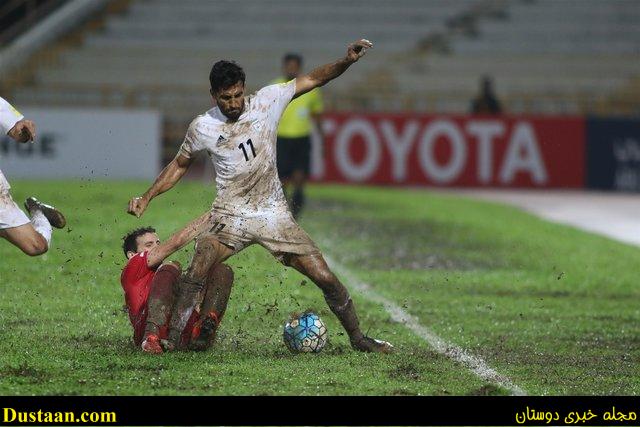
<point>469,151</point>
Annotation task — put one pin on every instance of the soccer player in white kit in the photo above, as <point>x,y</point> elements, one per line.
<point>239,135</point>
<point>32,236</point>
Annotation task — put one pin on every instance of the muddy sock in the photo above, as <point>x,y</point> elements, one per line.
<point>342,306</point>
<point>217,291</point>
<point>161,298</point>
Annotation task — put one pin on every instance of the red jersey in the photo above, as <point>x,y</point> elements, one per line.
<point>136,280</point>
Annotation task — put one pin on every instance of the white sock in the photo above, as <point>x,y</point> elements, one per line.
<point>41,224</point>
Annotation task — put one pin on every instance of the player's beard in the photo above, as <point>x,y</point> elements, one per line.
<point>233,115</point>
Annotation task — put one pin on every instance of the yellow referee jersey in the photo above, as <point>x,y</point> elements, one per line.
<point>296,119</point>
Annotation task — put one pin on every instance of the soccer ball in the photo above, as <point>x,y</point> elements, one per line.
<point>305,333</point>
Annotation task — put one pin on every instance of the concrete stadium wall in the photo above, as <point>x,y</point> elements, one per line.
<point>86,143</point>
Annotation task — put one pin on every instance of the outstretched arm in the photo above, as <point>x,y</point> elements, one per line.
<point>13,123</point>
<point>177,240</point>
<point>322,75</point>
<point>169,176</point>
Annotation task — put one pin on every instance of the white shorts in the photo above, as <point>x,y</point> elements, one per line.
<point>276,231</point>
<point>10,213</point>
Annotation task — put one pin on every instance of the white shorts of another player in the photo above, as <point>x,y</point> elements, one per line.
<point>10,213</point>
<point>474,363</point>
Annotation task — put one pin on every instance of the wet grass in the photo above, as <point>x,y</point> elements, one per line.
<point>64,330</point>
<point>553,308</point>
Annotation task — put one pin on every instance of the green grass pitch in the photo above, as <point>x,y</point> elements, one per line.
<point>552,308</point>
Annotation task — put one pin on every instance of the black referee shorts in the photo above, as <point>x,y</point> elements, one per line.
<point>293,154</point>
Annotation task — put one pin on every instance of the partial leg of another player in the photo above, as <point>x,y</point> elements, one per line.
<point>28,239</point>
<point>284,163</point>
<point>31,236</point>
<point>214,303</point>
<point>208,253</point>
<point>159,305</point>
<point>298,180</point>
<point>300,172</point>
<point>315,268</point>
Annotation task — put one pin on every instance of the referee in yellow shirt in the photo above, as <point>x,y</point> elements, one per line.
<point>294,136</point>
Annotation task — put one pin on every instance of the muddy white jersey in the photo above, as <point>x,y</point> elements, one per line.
<point>244,152</point>
<point>9,116</point>
<point>4,184</point>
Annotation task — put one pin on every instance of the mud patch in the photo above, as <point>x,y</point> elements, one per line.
<point>405,372</point>
<point>488,390</point>
<point>25,371</point>
<point>89,339</point>
<point>424,354</point>
<point>156,369</point>
<point>399,243</point>
<point>400,392</point>
<point>622,345</point>
<point>10,324</point>
<point>613,371</point>
<point>517,291</point>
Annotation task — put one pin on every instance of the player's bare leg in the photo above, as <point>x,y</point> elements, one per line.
<point>214,303</point>
<point>27,239</point>
<point>208,253</point>
<point>33,238</point>
<point>338,299</point>
<point>160,303</point>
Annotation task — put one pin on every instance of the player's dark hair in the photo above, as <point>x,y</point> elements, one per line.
<point>130,243</point>
<point>225,74</point>
<point>292,57</point>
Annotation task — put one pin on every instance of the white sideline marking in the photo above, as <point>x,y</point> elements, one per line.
<point>452,351</point>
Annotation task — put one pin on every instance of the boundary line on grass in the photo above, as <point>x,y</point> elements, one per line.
<point>474,363</point>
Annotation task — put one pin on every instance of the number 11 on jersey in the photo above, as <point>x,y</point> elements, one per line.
<point>244,150</point>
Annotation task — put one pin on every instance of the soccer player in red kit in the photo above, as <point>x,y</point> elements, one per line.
<point>150,287</point>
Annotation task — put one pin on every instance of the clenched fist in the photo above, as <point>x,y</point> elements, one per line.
<point>137,206</point>
<point>23,131</point>
<point>357,49</point>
